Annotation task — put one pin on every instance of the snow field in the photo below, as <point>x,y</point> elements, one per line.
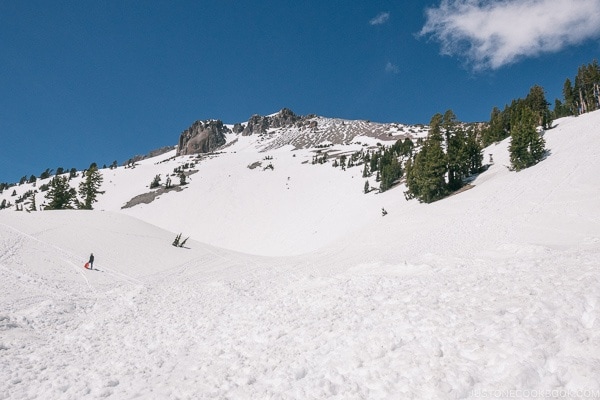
<point>238,327</point>
<point>496,288</point>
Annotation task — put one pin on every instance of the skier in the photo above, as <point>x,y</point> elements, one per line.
<point>91,261</point>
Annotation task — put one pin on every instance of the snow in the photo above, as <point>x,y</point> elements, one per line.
<point>299,289</point>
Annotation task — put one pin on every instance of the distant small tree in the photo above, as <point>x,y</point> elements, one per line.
<point>366,188</point>
<point>155,182</point>
<point>176,241</point>
<point>32,205</point>
<point>182,178</point>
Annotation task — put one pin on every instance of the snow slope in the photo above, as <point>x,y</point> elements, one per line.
<point>491,290</point>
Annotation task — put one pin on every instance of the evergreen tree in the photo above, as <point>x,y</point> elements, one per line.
<point>527,147</point>
<point>536,101</point>
<point>46,174</point>
<point>89,187</point>
<point>587,87</point>
<point>366,188</point>
<point>569,97</point>
<point>474,153</point>
<point>365,171</point>
<point>155,182</point>
<point>60,195</point>
<point>496,129</point>
<point>560,110</point>
<point>390,172</point>
<point>426,174</point>
<point>32,205</point>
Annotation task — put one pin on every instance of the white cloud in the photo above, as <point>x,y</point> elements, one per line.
<point>380,19</point>
<point>391,68</point>
<point>491,34</point>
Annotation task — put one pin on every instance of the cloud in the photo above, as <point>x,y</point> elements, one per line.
<point>391,68</point>
<point>491,34</point>
<point>380,19</point>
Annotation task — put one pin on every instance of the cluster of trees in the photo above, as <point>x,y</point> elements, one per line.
<point>62,196</point>
<point>501,122</point>
<point>385,162</point>
<point>583,96</point>
<point>448,155</point>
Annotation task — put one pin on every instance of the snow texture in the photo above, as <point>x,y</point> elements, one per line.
<point>293,286</point>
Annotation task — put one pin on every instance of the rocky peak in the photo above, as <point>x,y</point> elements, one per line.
<point>202,137</point>
<point>260,124</point>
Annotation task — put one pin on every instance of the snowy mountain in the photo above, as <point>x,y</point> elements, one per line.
<point>293,286</point>
<point>232,201</point>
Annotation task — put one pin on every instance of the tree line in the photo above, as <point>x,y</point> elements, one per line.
<point>61,195</point>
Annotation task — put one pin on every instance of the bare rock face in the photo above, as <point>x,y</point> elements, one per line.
<point>256,124</point>
<point>202,137</point>
<point>259,124</point>
<point>238,128</point>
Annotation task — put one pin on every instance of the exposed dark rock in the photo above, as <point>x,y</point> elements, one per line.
<point>258,124</point>
<point>147,198</point>
<point>238,128</point>
<point>151,154</point>
<point>202,137</point>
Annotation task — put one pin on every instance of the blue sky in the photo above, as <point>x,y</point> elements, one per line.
<point>96,81</point>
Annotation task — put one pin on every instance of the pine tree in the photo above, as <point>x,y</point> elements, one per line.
<point>46,174</point>
<point>366,188</point>
<point>155,182</point>
<point>176,241</point>
<point>587,87</point>
<point>474,153</point>
<point>569,97</point>
<point>32,205</point>
<point>426,174</point>
<point>60,195</point>
<point>536,101</point>
<point>527,147</point>
<point>89,188</point>
<point>183,242</point>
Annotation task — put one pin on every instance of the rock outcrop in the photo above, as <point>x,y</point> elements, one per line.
<point>258,124</point>
<point>202,137</point>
